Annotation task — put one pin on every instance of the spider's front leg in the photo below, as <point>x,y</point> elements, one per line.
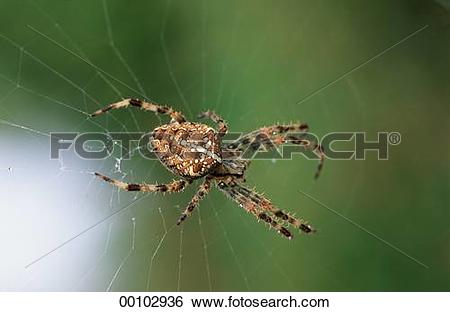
<point>266,205</point>
<point>256,137</point>
<point>201,193</point>
<point>312,146</point>
<point>175,186</point>
<point>221,124</point>
<point>274,136</point>
<point>165,110</point>
<point>234,191</point>
<point>263,209</point>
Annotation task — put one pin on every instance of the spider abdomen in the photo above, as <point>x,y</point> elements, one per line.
<point>188,149</point>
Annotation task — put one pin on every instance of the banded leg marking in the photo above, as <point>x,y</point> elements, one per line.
<point>165,110</point>
<point>175,186</point>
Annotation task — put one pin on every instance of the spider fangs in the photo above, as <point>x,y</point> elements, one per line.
<point>194,150</point>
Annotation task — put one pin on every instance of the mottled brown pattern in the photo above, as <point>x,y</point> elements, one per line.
<point>194,150</point>
<point>190,150</point>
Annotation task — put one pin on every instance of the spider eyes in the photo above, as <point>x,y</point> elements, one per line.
<point>221,185</point>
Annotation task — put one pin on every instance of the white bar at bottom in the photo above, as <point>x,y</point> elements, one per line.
<point>230,301</point>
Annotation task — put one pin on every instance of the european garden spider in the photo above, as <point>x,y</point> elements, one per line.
<point>194,150</point>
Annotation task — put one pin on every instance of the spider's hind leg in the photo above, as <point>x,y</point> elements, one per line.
<point>175,186</point>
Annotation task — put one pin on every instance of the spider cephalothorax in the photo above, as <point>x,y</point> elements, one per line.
<point>194,150</point>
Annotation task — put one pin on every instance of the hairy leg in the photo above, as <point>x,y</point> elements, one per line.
<point>221,124</point>
<point>175,186</point>
<point>272,137</point>
<point>165,110</point>
<point>240,194</point>
<point>266,132</point>
<point>266,205</point>
<point>201,193</point>
<point>307,144</point>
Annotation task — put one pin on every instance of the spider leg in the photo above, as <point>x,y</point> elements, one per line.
<point>240,195</point>
<point>175,186</point>
<point>223,127</point>
<point>201,193</point>
<point>250,198</point>
<point>266,132</point>
<point>277,135</point>
<point>165,110</point>
<point>268,206</point>
<point>313,146</point>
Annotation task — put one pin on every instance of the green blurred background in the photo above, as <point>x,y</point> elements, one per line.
<point>254,62</point>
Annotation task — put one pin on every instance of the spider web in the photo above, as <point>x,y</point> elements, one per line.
<point>66,230</point>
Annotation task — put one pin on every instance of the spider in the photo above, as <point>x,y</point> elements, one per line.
<point>194,150</point>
